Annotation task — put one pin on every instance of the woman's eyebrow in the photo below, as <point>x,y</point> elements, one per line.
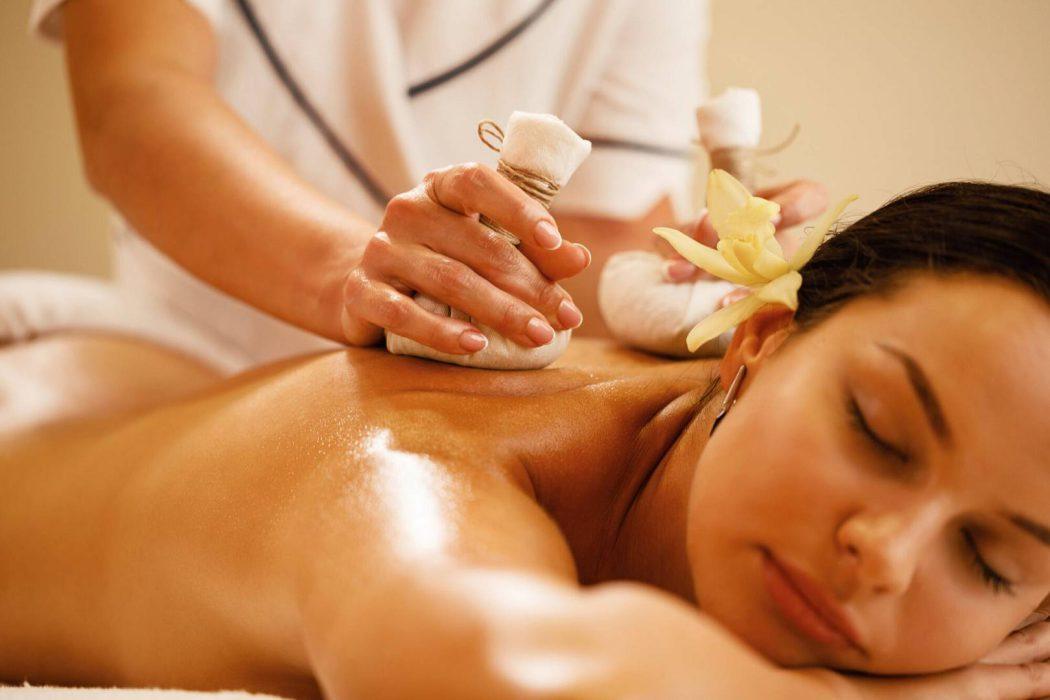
<point>1040,532</point>
<point>920,384</point>
<point>932,407</point>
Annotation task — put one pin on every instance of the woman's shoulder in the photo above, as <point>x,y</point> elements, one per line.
<point>440,407</point>
<point>372,374</point>
<point>422,447</point>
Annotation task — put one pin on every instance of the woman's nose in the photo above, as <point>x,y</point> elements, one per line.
<point>887,547</point>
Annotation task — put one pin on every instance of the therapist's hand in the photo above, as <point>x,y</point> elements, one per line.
<point>799,200</point>
<point>430,241</point>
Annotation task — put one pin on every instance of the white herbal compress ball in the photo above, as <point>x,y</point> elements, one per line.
<point>640,307</point>
<point>731,120</point>
<point>543,145</point>
<point>645,311</point>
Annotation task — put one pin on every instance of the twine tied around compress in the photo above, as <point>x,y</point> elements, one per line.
<point>742,162</point>
<point>536,186</point>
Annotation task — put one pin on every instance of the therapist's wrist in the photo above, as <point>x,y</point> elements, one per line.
<point>330,277</point>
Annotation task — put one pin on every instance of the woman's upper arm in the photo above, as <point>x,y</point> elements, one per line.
<point>408,572</point>
<point>482,633</point>
<point>450,583</point>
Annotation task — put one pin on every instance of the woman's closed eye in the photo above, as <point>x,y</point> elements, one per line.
<point>860,423</point>
<point>992,578</point>
<point>996,581</point>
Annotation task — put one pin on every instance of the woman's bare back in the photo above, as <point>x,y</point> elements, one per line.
<point>384,461</point>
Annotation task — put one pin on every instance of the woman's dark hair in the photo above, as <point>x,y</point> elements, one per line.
<point>948,228</point>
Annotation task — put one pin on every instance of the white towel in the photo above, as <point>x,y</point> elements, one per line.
<point>544,145</point>
<point>56,693</point>
<point>35,303</point>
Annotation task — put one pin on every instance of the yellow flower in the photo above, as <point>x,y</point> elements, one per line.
<point>747,253</point>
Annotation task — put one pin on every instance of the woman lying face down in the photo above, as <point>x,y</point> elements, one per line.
<point>376,526</point>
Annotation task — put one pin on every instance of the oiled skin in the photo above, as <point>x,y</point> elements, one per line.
<point>325,517</point>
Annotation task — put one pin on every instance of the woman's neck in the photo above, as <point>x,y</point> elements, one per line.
<point>607,477</point>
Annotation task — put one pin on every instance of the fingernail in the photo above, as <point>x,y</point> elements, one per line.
<point>678,270</point>
<point>539,332</point>
<point>586,251</point>
<point>732,297</point>
<point>547,236</point>
<point>775,219</point>
<point>569,315</point>
<point>473,341</point>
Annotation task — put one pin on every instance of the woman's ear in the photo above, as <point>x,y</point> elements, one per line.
<point>755,340</point>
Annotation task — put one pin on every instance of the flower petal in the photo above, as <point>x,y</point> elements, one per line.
<point>753,221</point>
<point>722,320</point>
<point>773,246</point>
<point>728,248</point>
<point>782,290</point>
<point>816,235</point>
<point>769,265</point>
<point>700,255</point>
<point>745,253</point>
<point>725,194</point>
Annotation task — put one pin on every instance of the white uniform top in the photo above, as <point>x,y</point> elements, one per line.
<point>402,85</point>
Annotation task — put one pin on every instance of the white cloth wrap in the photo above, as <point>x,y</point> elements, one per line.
<point>647,312</point>
<point>731,120</point>
<point>500,353</point>
<point>544,145</point>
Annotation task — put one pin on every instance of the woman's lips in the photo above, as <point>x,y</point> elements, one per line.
<point>804,604</point>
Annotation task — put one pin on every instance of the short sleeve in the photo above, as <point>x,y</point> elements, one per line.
<point>642,114</point>
<point>45,16</point>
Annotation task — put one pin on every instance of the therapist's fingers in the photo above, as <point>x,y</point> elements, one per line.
<point>472,188</point>
<point>573,259</point>
<point>676,268</point>
<point>733,297</point>
<point>499,262</point>
<point>371,305</point>
<point>799,200</point>
<point>456,284</point>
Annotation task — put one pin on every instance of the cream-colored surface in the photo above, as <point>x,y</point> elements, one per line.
<point>48,216</point>
<point>896,93</point>
<point>890,95</point>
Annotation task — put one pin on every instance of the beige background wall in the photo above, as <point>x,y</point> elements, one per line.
<point>890,94</point>
<point>48,216</point>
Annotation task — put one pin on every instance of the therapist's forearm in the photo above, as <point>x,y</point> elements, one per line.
<point>205,190</point>
<point>202,187</point>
